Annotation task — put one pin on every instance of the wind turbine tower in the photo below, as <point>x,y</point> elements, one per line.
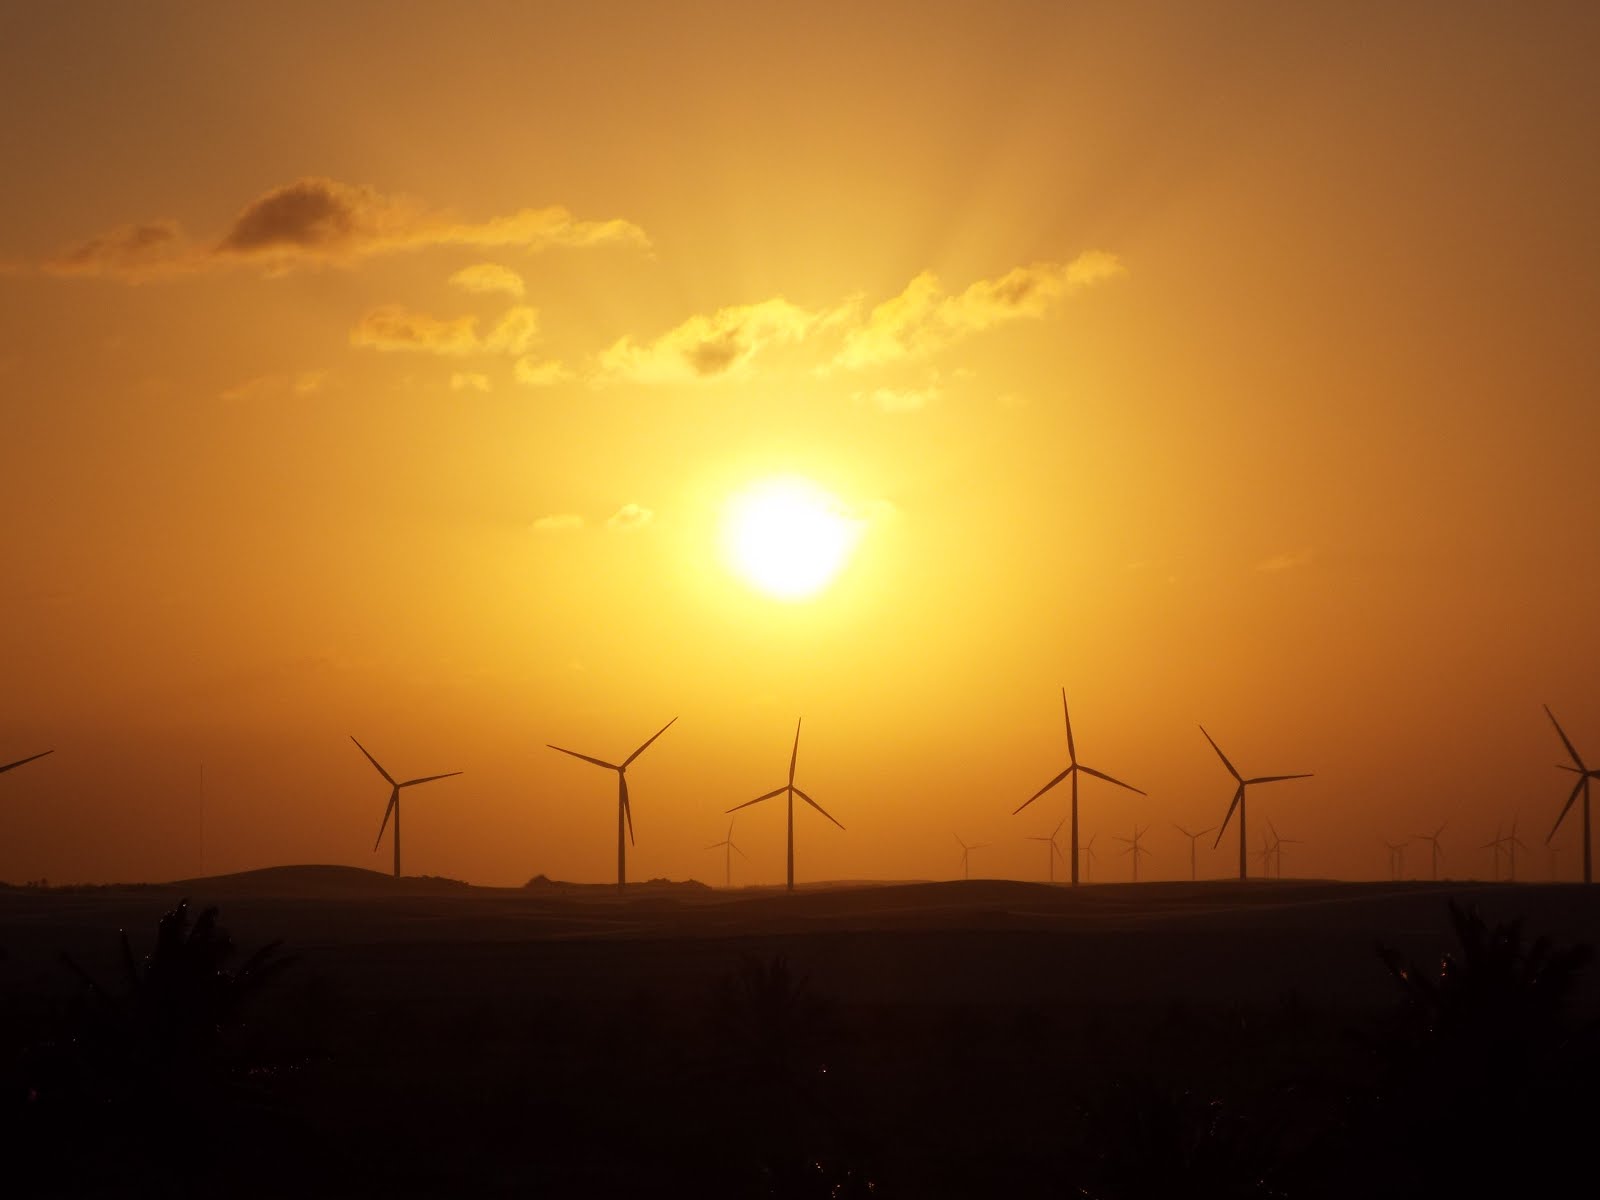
<point>1055,850</point>
<point>966,852</point>
<point>624,809</point>
<point>1584,774</point>
<point>393,808</point>
<point>1135,849</point>
<point>1074,769</point>
<point>1239,801</point>
<point>1193,838</point>
<point>792,791</point>
<point>1433,843</point>
<point>729,850</point>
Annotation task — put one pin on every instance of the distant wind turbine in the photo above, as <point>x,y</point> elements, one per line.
<point>1497,847</point>
<point>1088,859</point>
<point>1512,843</point>
<point>1135,849</point>
<point>792,792</point>
<point>1238,800</point>
<point>1074,769</point>
<point>21,761</point>
<point>729,850</point>
<point>1193,838</point>
<point>1278,843</point>
<point>1054,852</point>
<point>624,809</point>
<point>966,852</point>
<point>1397,859</point>
<point>393,808</point>
<point>1584,774</point>
<point>1433,842</point>
<point>1264,856</point>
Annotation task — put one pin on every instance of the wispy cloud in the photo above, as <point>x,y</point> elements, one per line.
<point>396,328</point>
<point>924,318</point>
<point>711,346</point>
<point>266,387</point>
<point>558,523</point>
<point>489,277</point>
<point>899,400</point>
<point>1285,562</point>
<point>629,517</point>
<point>316,221</point>
<point>539,374</point>
<point>470,381</point>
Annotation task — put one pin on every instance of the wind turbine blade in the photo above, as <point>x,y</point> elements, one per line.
<point>794,755</point>
<point>1042,790</point>
<point>429,778</point>
<point>1576,788</point>
<point>716,845</point>
<point>1221,755</point>
<point>1057,829</point>
<point>1276,778</point>
<point>599,762</point>
<point>372,760</point>
<point>29,759</point>
<point>622,798</point>
<point>394,799</point>
<point>819,807</point>
<point>1072,750</point>
<point>1238,795</point>
<point>646,746</point>
<point>1184,831</point>
<point>740,853</point>
<point>1205,831</point>
<point>1565,740</point>
<point>963,845</point>
<point>758,799</point>
<point>1108,779</point>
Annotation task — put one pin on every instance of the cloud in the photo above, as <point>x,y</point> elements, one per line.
<point>489,277</point>
<point>394,327</point>
<point>708,347</point>
<point>1285,562</point>
<point>630,516</point>
<point>924,318</point>
<point>265,387</point>
<point>558,523</point>
<point>901,400</point>
<point>539,374</point>
<point>465,381</point>
<point>315,221</point>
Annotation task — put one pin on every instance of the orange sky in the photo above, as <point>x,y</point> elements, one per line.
<point>384,370</point>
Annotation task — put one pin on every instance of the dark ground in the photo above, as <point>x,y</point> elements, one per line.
<point>983,1038</point>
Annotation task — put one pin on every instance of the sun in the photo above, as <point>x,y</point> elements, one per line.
<point>788,537</point>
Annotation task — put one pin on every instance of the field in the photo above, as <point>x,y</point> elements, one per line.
<point>926,1039</point>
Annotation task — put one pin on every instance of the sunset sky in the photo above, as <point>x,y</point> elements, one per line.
<point>390,370</point>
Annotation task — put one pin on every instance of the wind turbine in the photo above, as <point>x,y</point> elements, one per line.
<point>1278,843</point>
<point>393,808</point>
<point>1088,859</point>
<point>966,850</point>
<point>624,809</point>
<point>1498,846</point>
<point>1512,842</point>
<point>21,761</point>
<point>1193,838</point>
<point>1397,859</point>
<point>1264,855</point>
<point>1584,774</point>
<point>1433,840</point>
<point>728,854</point>
<point>1054,851</point>
<point>1135,849</point>
<point>1074,769</point>
<point>1238,799</point>
<point>792,793</point>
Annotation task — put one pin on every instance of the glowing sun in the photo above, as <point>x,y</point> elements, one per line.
<point>788,538</point>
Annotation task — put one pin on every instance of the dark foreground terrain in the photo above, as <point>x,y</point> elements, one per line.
<point>991,1038</point>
